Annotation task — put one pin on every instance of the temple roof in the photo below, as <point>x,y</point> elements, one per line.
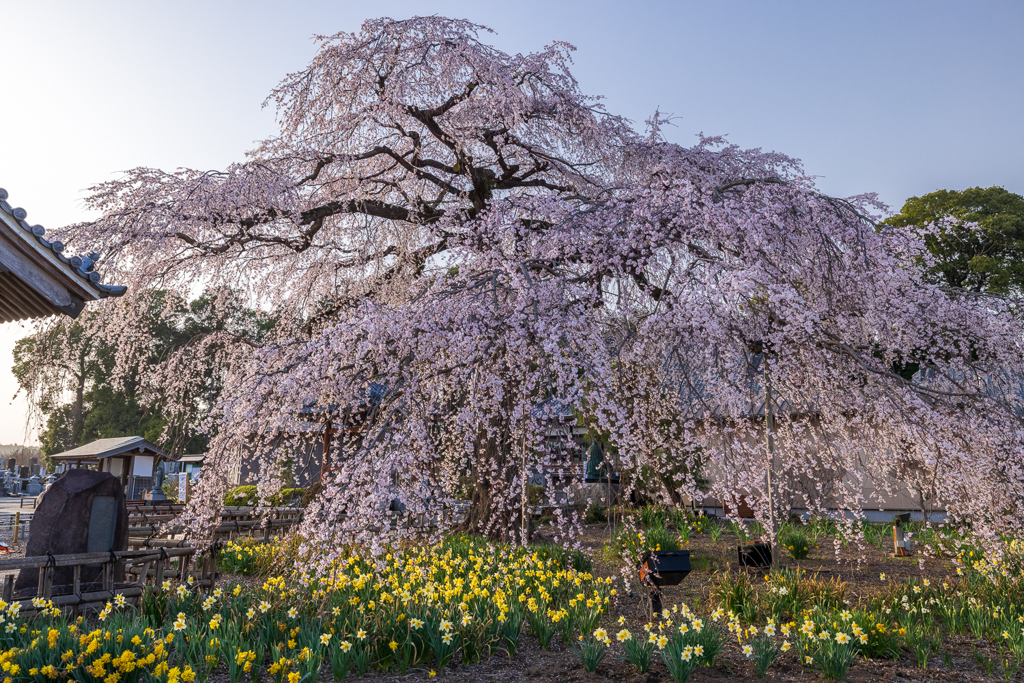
<point>36,278</point>
<point>105,448</point>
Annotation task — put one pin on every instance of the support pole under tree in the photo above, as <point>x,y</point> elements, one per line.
<point>525,491</point>
<point>325,458</point>
<point>769,413</point>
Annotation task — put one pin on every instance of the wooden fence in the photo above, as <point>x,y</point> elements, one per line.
<point>145,564</point>
<point>156,553</point>
<point>148,525</point>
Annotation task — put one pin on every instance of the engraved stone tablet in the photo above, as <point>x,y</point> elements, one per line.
<point>83,511</point>
<point>102,524</point>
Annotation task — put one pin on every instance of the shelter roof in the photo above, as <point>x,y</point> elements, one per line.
<point>36,278</point>
<point>105,448</point>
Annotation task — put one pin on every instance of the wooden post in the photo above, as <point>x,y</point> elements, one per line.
<point>76,586</point>
<point>213,568</point>
<point>8,587</point>
<point>325,458</point>
<point>17,525</point>
<point>898,541</point>
<point>769,413</point>
<point>210,568</point>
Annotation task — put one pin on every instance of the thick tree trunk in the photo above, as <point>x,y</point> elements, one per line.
<point>670,489</point>
<point>489,512</point>
<point>77,426</point>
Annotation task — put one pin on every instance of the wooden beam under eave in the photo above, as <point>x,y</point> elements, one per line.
<point>22,305</point>
<point>7,312</point>
<point>30,300</point>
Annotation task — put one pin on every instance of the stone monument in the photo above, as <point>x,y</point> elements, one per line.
<point>82,512</point>
<point>156,494</point>
<point>34,487</point>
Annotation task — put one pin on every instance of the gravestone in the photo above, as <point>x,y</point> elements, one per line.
<point>23,472</point>
<point>34,486</point>
<point>156,494</point>
<point>82,512</point>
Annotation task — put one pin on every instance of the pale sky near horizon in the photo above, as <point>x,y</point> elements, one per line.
<point>899,98</point>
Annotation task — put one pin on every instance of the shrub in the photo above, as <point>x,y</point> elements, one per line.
<point>596,515</point>
<point>765,652</point>
<point>735,593</point>
<point>288,497</point>
<point>248,496</point>
<point>700,524</point>
<point>567,558</point>
<point>797,543</point>
<point>170,489</point>
<point>831,652</point>
<point>785,593</point>
<point>638,651</point>
<point>875,640</point>
<point>652,516</point>
<point>247,556</point>
<point>827,594</point>
<point>244,496</point>
<point>537,495</point>
<point>740,531</point>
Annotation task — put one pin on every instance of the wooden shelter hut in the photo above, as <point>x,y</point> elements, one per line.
<point>130,458</point>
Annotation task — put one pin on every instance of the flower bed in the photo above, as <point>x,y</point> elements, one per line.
<point>459,602</point>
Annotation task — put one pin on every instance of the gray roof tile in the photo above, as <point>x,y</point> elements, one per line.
<point>83,265</point>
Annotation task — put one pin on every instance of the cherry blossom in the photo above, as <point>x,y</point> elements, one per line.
<point>464,253</point>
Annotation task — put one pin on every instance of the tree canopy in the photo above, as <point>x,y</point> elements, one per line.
<point>460,248</point>
<point>81,395</point>
<point>975,237</point>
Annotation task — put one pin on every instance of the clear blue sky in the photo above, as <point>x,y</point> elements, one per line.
<point>899,98</point>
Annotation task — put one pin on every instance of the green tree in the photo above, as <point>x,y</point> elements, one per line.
<point>68,375</point>
<point>982,248</point>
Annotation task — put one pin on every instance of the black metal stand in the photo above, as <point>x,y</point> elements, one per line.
<point>656,604</point>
